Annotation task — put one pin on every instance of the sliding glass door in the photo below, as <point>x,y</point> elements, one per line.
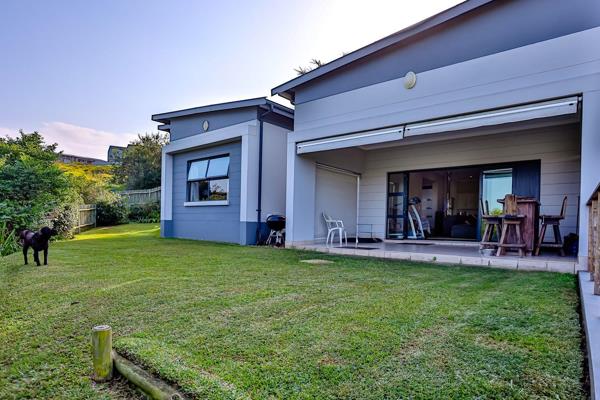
<point>497,183</point>
<point>397,205</point>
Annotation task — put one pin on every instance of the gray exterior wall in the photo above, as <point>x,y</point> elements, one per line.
<point>215,223</point>
<point>493,28</point>
<point>183,127</point>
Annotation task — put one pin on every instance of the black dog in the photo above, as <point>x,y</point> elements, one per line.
<point>38,241</point>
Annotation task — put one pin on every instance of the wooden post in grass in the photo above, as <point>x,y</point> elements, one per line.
<point>102,353</point>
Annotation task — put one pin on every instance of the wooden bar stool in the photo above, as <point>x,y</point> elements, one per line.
<point>511,218</point>
<point>492,223</point>
<point>553,220</point>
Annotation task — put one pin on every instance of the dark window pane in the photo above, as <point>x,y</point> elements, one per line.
<point>197,170</point>
<point>219,189</point>
<point>199,191</point>
<point>218,167</point>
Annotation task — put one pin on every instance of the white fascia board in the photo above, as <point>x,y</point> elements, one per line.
<point>249,175</point>
<point>352,140</point>
<point>496,117</point>
<point>209,138</point>
<point>166,183</point>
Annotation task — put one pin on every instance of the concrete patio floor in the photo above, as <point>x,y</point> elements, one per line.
<point>465,253</point>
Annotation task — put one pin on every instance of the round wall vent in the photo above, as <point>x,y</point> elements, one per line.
<point>410,80</point>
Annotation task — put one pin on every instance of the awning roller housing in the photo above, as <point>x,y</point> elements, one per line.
<point>551,108</point>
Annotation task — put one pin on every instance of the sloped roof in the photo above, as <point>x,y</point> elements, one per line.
<point>255,102</point>
<point>286,89</point>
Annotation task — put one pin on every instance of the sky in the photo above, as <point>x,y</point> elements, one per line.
<point>87,74</point>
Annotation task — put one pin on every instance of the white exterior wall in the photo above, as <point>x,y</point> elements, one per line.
<point>558,148</point>
<point>274,170</point>
<point>565,66</point>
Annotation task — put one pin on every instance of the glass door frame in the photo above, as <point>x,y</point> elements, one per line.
<point>404,215</point>
<point>481,167</point>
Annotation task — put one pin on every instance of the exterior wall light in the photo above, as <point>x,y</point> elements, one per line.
<point>205,125</point>
<point>410,80</point>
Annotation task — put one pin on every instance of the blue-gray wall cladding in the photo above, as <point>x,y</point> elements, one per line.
<point>495,27</point>
<point>182,127</point>
<point>217,223</point>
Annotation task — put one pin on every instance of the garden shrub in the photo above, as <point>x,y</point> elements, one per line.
<point>111,212</point>
<point>145,213</point>
<point>8,240</point>
<point>31,184</point>
<point>64,219</point>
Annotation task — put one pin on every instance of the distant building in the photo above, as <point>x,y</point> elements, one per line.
<point>115,154</point>
<point>71,159</point>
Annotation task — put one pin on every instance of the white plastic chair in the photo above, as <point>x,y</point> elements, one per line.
<point>334,226</point>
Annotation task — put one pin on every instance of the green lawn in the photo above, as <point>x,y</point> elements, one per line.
<point>225,321</point>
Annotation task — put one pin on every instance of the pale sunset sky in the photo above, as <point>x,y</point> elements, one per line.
<point>87,74</point>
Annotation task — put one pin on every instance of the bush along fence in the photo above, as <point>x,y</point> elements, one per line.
<point>86,217</point>
<point>141,196</point>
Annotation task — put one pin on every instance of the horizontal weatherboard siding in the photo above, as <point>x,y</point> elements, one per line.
<point>219,222</point>
<point>558,148</point>
<point>183,127</point>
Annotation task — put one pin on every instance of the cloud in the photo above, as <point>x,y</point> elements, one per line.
<point>78,140</point>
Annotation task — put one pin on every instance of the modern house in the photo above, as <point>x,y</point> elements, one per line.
<point>224,170</point>
<point>75,159</point>
<point>483,99</point>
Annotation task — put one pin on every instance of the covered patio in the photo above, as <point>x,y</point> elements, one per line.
<point>369,180</point>
<point>449,253</point>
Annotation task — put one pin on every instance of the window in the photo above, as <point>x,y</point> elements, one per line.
<point>208,181</point>
<point>497,183</point>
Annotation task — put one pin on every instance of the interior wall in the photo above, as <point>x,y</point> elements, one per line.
<point>557,147</point>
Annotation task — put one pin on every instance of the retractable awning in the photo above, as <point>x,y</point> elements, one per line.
<point>545,109</point>
<point>351,140</point>
<point>495,117</point>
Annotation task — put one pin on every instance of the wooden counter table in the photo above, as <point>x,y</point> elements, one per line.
<point>530,208</point>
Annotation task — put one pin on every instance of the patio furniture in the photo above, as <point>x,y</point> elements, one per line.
<point>493,224</point>
<point>365,229</point>
<point>276,223</point>
<point>529,208</point>
<point>418,223</point>
<point>554,221</point>
<point>334,226</point>
<point>511,219</point>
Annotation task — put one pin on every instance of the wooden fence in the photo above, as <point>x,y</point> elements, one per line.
<point>86,217</point>
<point>141,196</point>
<point>594,239</point>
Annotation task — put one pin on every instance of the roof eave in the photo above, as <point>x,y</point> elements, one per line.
<point>165,118</point>
<point>285,89</point>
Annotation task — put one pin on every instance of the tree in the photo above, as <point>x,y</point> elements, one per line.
<point>140,168</point>
<point>31,183</point>
<point>93,182</point>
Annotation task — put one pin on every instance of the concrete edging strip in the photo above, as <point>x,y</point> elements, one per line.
<point>151,386</point>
